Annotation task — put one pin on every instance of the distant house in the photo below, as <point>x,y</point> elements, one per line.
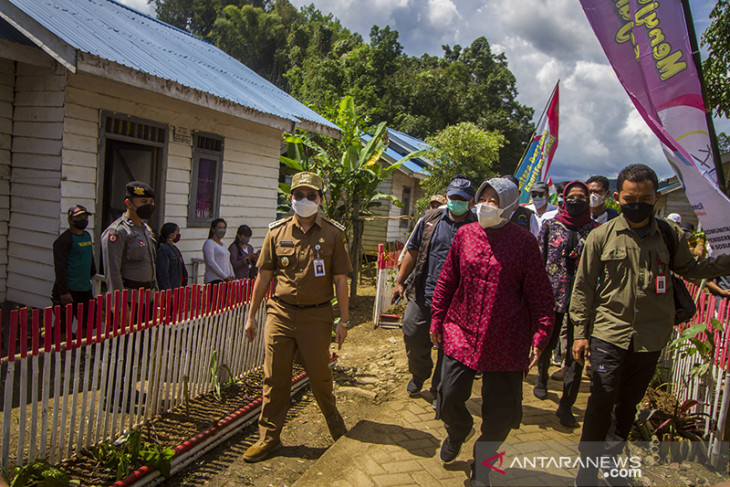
<point>94,94</point>
<point>672,198</point>
<point>389,222</point>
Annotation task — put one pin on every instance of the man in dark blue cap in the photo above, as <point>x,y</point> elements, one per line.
<point>425,255</point>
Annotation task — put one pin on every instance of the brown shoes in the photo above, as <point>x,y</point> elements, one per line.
<point>336,426</point>
<point>260,450</point>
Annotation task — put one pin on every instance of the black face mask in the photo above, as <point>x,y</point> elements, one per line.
<point>145,211</point>
<point>576,208</point>
<point>80,224</point>
<point>637,212</point>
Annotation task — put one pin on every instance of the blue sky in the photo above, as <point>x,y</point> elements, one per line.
<point>544,40</point>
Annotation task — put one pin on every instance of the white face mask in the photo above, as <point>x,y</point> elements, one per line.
<point>539,202</point>
<point>597,200</point>
<point>304,207</point>
<point>488,215</point>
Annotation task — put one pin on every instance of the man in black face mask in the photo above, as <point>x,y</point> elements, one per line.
<point>128,244</point>
<point>622,309</point>
<point>73,263</point>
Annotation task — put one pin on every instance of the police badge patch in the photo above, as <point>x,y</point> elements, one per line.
<point>284,261</point>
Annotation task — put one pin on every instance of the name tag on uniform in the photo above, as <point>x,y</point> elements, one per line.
<point>660,284</point>
<point>318,268</point>
<point>286,243</point>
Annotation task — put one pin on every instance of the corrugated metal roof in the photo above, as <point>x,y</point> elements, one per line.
<point>125,36</point>
<point>400,146</point>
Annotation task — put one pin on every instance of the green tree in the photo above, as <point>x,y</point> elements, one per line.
<point>351,173</point>
<point>717,65</point>
<point>461,149</point>
<point>723,142</point>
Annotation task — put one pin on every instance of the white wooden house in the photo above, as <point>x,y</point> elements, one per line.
<point>94,94</point>
<point>391,223</point>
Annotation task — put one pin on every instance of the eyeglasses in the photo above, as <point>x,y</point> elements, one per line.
<point>537,195</point>
<point>311,196</point>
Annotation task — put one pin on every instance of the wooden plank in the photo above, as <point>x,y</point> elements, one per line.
<point>37,182</point>
<point>39,98</point>
<point>6,92</point>
<point>37,114</point>
<point>24,54</point>
<point>176,187</point>
<point>73,189</point>
<point>83,113</point>
<point>6,125</point>
<point>233,183</point>
<point>81,142</point>
<point>78,174</point>
<point>179,176</point>
<point>30,145</point>
<point>6,107</point>
<point>47,162</point>
<point>179,163</point>
<point>31,206</point>
<point>31,276</point>
<point>5,141</point>
<point>41,81</point>
<point>177,149</point>
<point>254,201</point>
<point>77,158</point>
<point>81,127</point>
<point>47,224</point>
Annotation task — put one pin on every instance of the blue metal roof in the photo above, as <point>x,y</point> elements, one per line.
<point>117,33</point>
<point>400,146</point>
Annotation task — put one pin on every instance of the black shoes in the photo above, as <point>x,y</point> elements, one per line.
<point>566,417</point>
<point>540,391</point>
<point>450,449</point>
<point>414,387</point>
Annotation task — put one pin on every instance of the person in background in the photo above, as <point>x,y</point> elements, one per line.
<point>674,217</point>
<point>171,271</point>
<point>523,216</point>
<point>599,188</point>
<point>559,188</point>
<point>128,245</point>
<point>540,206</point>
<point>561,244</point>
<point>436,201</point>
<point>623,311</point>
<point>697,243</point>
<point>73,264</point>
<point>424,257</point>
<point>492,312</point>
<point>243,257</point>
<point>217,258</point>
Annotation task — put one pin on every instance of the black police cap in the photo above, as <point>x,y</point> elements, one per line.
<point>138,189</point>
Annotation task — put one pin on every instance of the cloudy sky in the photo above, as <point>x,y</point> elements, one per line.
<point>544,40</point>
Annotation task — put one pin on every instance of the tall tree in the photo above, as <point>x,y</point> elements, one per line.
<point>717,65</point>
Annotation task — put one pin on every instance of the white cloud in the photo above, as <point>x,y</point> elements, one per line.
<point>544,40</point>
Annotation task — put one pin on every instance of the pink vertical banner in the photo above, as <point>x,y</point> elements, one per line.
<point>648,46</point>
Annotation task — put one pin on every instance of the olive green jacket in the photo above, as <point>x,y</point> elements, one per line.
<point>614,295</point>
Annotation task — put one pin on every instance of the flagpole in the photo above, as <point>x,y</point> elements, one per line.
<point>529,142</point>
<point>697,58</point>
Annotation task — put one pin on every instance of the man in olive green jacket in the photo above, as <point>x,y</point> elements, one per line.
<point>622,309</point>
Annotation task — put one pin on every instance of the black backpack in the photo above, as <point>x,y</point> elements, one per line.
<point>684,304</point>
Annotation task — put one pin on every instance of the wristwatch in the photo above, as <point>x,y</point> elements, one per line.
<point>346,324</point>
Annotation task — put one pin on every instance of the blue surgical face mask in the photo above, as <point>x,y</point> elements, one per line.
<point>539,201</point>
<point>458,208</point>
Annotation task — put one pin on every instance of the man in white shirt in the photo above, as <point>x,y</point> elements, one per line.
<point>543,210</point>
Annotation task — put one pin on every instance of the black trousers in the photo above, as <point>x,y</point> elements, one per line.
<point>573,371</point>
<point>501,402</point>
<point>79,297</point>
<point>543,363</point>
<point>416,336</point>
<point>619,379</point>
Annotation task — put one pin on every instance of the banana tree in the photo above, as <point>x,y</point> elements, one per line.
<point>351,173</point>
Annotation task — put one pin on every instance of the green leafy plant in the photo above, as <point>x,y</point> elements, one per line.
<point>120,454</point>
<point>697,340</point>
<point>215,374</point>
<point>158,456</point>
<point>39,473</point>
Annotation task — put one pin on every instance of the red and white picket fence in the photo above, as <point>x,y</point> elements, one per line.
<point>121,369</point>
<point>387,272</point>
<point>708,392</point>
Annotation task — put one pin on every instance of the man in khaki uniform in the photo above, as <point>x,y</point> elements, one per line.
<point>306,254</point>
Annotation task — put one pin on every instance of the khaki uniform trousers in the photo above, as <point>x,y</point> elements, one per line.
<point>288,330</point>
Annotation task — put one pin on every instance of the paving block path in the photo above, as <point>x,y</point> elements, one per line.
<point>400,444</point>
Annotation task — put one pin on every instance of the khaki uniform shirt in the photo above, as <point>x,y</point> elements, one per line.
<point>614,296</point>
<point>291,254</point>
<point>129,253</point>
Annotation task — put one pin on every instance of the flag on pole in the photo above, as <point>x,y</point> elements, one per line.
<point>535,163</point>
<point>649,48</point>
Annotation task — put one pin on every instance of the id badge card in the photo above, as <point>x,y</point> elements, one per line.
<point>660,284</point>
<point>319,268</point>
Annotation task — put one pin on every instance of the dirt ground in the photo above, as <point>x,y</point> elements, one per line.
<point>370,367</point>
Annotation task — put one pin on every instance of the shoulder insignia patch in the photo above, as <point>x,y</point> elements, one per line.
<point>335,224</point>
<point>112,237</point>
<point>278,223</point>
